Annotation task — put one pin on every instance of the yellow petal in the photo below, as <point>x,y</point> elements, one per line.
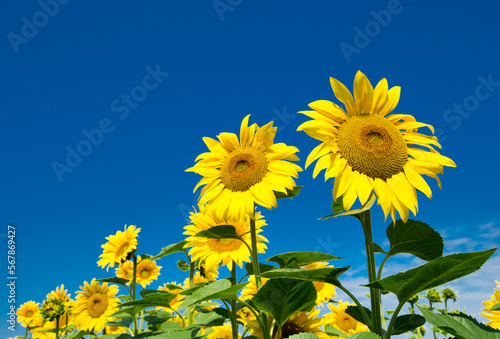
<point>417,181</point>
<point>363,93</point>
<point>380,96</point>
<point>392,100</point>
<point>343,94</point>
<point>316,153</point>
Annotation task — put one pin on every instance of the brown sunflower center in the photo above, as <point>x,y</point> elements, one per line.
<point>224,245</point>
<point>345,322</point>
<point>243,168</point>
<point>372,145</point>
<point>289,329</point>
<point>29,314</point>
<point>97,304</point>
<point>145,274</point>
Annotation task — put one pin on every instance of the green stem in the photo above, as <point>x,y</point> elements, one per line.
<point>191,279</point>
<point>379,274</point>
<point>234,318</point>
<point>57,327</point>
<point>393,320</point>
<point>256,269</point>
<point>366,317</point>
<point>133,288</point>
<point>365,219</point>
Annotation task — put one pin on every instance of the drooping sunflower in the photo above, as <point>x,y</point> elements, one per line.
<point>222,251</point>
<point>147,271</point>
<point>343,321</point>
<point>27,313</point>
<point>366,150</point>
<point>221,332</point>
<point>493,316</point>
<point>251,288</point>
<point>237,174</point>
<point>324,291</point>
<point>93,305</point>
<point>118,247</point>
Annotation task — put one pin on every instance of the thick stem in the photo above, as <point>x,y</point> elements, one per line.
<point>57,328</point>
<point>133,287</point>
<point>393,320</point>
<point>234,322</point>
<point>365,219</point>
<point>366,317</point>
<point>191,279</point>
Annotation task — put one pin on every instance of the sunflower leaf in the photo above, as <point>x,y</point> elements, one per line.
<point>209,319</point>
<point>354,212</point>
<point>152,300</point>
<point>327,274</point>
<point>182,265</point>
<point>414,237</point>
<point>219,232</point>
<point>173,248</point>
<point>126,322</point>
<point>432,274</point>
<point>407,322</point>
<point>334,332</point>
<point>304,336</point>
<point>283,297</point>
<point>289,193</point>
<point>495,307</point>
<point>263,268</point>
<point>220,289</point>
<point>460,325</point>
<point>114,280</point>
<point>378,249</point>
<point>301,258</point>
<point>364,335</point>
<point>354,312</point>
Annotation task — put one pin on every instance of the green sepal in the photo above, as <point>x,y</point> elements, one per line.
<point>283,297</point>
<point>432,274</point>
<point>301,258</point>
<point>289,193</point>
<point>354,213</point>
<point>495,307</point>
<point>461,325</point>
<point>173,248</point>
<point>414,237</point>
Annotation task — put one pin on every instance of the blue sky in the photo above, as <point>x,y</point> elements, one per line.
<point>133,87</point>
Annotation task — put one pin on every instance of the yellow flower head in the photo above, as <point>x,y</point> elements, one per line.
<point>222,251</point>
<point>126,270</point>
<point>324,291</point>
<point>118,247</point>
<point>28,313</point>
<point>94,304</point>
<point>251,288</point>
<point>174,288</point>
<point>238,173</point>
<point>493,316</point>
<point>343,321</point>
<point>366,150</point>
<point>147,271</point>
<point>222,332</point>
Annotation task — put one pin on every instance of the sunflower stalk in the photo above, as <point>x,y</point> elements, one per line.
<point>133,287</point>
<point>191,279</point>
<point>234,322</point>
<point>375,300</point>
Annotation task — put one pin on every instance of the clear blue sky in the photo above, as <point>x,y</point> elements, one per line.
<point>155,77</point>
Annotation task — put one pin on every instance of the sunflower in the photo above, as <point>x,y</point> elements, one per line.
<point>147,271</point>
<point>366,150</point>
<point>114,329</point>
<point>174,288</point>
<point>324,291</point>
<point>28,313</point>
<point>343,321</point>
<point>251,288</point>
<point>118,247</point>
<point>221,332</point>
<point>222,251</point>
<point>493,316</point>
<point>93,305</point>
<point>125,270</point>
<point>237,174</point>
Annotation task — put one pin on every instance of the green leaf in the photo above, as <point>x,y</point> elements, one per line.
<point>354,312</point>
<point>328,274</point>
<point>146,256</point>
<point>219,232</point>
<point>124,322</point>
<point>301,258</point>
<point>220,289</point>
<point>289,193</point>
<point>263,268</point>
<point>364,335</point>
<point>182,265</point>
<point>161,317</point>
<point>127,312</point>
<point>460,326</point>
<point>432,274</point>
<point>354,212</point>
<point>305,335</point>
<point>114,280</point>
<point>152,300</point>
<point>172,334</point>
<point>209,319</point>
<point>495,307</point>
<point>407,322</point>
<point>173,248</point>
<point>335,332</point>
<point>378,249</point>
<point>283,297</point>
<point>415,237</point>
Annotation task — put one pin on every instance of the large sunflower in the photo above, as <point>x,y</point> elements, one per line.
<point>493,316</point>
<point>366,150</point>
<point>28,313</point>
<point>93,305</point>
<point>222,251</point>
<point>237,174</point>
<point>343,321</point>
<point>324,291</point>
<point>118,247</point>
